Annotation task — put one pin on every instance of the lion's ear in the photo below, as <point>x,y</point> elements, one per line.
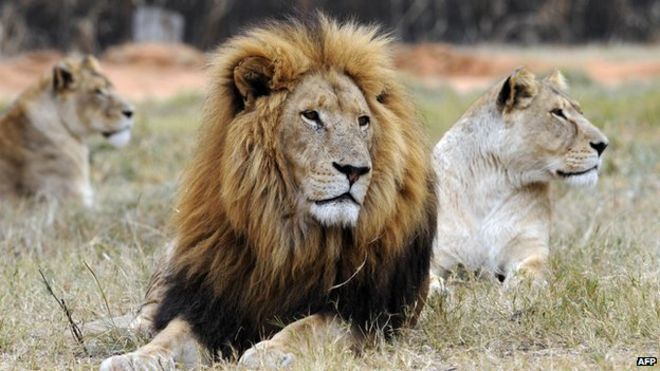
<point>252,77</point>
<point>62,77</point>
<point>557,80</point>
<point>517,91</point>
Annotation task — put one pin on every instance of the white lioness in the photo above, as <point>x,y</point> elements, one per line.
<point>43,133</point>
<point>494,167</point>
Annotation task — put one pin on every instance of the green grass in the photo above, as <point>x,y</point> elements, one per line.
<point>600,311</point>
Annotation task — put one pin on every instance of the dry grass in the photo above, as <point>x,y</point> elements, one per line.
<point>601,309</point>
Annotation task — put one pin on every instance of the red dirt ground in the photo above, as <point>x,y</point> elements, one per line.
<point>145,71</point>
<point>154,71</point>
<point>475,68</point>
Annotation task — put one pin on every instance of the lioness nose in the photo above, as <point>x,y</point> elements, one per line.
<point>353,173</point>
<point>598,146</point>
<point>128,113</point>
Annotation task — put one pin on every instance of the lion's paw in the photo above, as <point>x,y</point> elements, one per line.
<point>137,361</point>
<point>266,355</point>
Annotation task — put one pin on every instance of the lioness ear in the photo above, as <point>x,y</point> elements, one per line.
<point>252,77</point>
<point>517,91</point>
<point>62,77</point>
<point>557,80</point>
<point>91,63</point>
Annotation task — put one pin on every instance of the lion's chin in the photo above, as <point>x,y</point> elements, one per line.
<point>343,214</point>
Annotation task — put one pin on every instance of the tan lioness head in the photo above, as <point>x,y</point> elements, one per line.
<point>87,102</point>
<point>547,136</point>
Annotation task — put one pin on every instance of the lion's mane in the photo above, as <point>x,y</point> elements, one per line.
<point>243,258</point>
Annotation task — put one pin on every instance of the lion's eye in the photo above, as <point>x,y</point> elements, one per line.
<point>313,118</point>
<point>99,91</point>
<point>364,121</point>
<point>559,113</point>
<point>311,115</point>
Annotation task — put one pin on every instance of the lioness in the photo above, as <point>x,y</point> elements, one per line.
<point>494,167</point>
<point>43,133</point>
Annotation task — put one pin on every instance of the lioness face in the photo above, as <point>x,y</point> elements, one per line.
<point>552,137</point>
<point>327,134</point>
<point>88,102</point>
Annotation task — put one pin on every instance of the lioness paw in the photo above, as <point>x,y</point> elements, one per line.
<point>266,355</point>
<point>437,286</point>
<point>137,361</point>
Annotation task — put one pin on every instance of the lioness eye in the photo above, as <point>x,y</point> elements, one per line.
<point>98,91</point>
<point>558,112</point>
<point>364,121</point>
<point>311,115</point>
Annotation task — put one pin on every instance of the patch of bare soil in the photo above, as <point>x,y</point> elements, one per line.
<point>474,68</point>
<point>433,60</point>
<point>139,71</point>
<point>155,71</point>
<point>159,71</point>
<point>435,63</point>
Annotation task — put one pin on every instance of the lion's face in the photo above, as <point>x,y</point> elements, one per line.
<point>549,137</point>
<point>326,135</point>
<point>88,103</point>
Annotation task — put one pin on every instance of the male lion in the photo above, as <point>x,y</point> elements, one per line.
<point>494,167</point>
<point>309,202</point>
<point>43,133</point>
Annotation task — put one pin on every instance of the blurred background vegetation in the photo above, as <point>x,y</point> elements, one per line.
<point>92,26</point>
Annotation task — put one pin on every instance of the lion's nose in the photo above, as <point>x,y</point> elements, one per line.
<point>598,146</point>
<point>353,173</point>
<point>127,112</point>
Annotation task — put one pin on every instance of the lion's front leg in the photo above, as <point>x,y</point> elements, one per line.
<point>174,345</point>
<point>298,337</point>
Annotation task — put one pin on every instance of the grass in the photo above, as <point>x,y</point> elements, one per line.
<point>600,311</point>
